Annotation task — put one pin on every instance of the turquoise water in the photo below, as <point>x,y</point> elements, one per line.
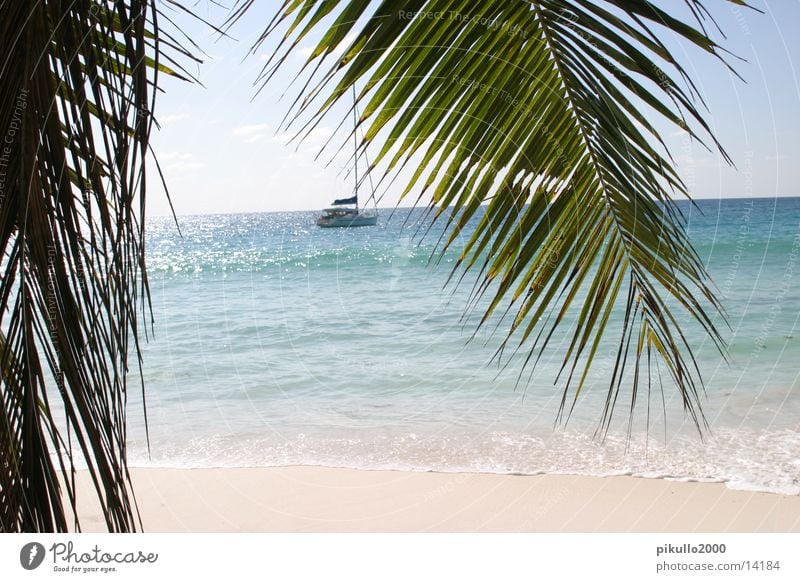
<point>279,343</point>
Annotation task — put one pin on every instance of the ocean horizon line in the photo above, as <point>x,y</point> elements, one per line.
<point>423,207</point>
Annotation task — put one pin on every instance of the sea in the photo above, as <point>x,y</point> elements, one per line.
<point>279,343</point>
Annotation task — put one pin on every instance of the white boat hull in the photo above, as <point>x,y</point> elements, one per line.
<point>347,221</point>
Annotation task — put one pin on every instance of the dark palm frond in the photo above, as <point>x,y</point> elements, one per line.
<point>543,112</point>
<point>77,92</point>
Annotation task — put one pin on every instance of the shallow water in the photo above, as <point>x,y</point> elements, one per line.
<point>279,343</point>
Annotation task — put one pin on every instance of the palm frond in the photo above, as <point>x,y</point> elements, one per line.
<point>536,118</point>
<point>77,93</point>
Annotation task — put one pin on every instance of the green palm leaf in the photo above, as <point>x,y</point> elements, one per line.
<point>536,119</point>
<point>77,86</point>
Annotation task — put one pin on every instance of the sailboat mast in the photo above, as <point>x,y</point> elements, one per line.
<point>355,144</point>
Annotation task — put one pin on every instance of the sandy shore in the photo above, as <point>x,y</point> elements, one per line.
<point>314,499</point>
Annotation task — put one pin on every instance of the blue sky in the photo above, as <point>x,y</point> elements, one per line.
<point>222,152</point>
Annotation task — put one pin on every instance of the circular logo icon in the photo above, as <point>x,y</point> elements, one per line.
<point>31,555</point>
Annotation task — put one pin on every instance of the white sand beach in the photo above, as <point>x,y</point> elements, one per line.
<point>317,499</point>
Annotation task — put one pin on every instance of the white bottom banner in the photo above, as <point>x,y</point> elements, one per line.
<point>439,557</point>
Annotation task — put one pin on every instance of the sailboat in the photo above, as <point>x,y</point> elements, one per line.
<point>345,212</point>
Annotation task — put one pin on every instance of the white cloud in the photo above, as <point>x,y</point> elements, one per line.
<point>338,51</point>
<point>318,135</point>
<point>252,133</point>
<point>251,129</point>
<point>284,137</point>
<point>173,156</point>
<point>178,162</point>
<point>344,45</point>
<point>167,119</point>
<point>313,141</point>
